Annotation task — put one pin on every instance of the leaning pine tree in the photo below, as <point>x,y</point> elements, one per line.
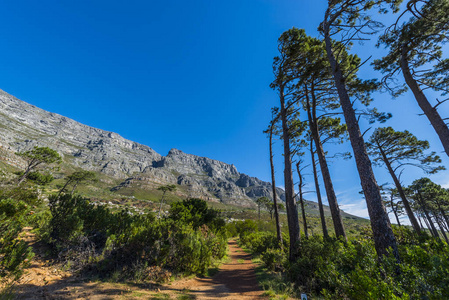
<point>308,69</point>
<point>348,20</point>
<point>397,149</point>
<point>415,50</point>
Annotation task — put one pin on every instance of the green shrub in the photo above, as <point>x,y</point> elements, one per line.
<point>194,212</point>
<point>259,242</point>
<point>113,244</point>
<point>40,178</point>
<point>274,260</point>
<point>337,269</point>
<point>14,253</point>
<point>245,227</point>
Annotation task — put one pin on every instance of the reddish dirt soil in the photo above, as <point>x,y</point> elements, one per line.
<point>236,279</point>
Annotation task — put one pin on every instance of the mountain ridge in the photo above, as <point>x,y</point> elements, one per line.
<point>23,126</point>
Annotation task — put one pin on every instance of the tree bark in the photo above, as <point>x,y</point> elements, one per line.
<point>426,213</point>
<point>74,187</point>
<point>420,222</point>
<point>162,201</point>
<point>395,211</point>
<point>301,201</point>
<point>441,229</point>
<point>407,206</point>
<point>292,212</point>
<point>431,112</point>
<point>432,233</point>
<point>384,238</point>
<point>330,192</point>
<point>318,193</point>
<point>273,186</point>
<point>443,213</point>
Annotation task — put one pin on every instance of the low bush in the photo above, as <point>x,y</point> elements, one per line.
<point>40,178</point>
<point>258,242</point>
<point>274,260</point>
<point>336,269</point>
<point>92,237</point>
<point>15,207</point>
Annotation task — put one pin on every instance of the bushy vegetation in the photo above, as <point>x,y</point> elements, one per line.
<point>93,238</point>
<point>40,178</point>
<point>335,269</point>
<point>15,208</point>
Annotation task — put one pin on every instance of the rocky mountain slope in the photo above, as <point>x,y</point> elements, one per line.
<point>23,126</point>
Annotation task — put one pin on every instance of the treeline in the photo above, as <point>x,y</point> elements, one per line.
<point>320,95</point>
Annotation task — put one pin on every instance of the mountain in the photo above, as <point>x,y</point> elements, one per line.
<point>23,126</point>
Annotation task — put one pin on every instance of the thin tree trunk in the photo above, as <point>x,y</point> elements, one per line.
<point>395,210</point>
<point>441,229</point>
<point>63,188</point>
<point>73,190</point>
<point>292,215</point>
<point>407,206</point>
<point>273,186</point>
<point>160,207</point>
<point>301,201</point>
<point>426,213</point>
<point>22,178</point>
<point>432,233</point>
<point>431,112</point>
<point>31,165</point>
<point>330,192</point>
<point>384,238</point>
<point>318,192</point>
<point>420,222</point>
<point>443,213</point>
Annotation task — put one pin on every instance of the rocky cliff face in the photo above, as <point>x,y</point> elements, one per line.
<point>23,126</point>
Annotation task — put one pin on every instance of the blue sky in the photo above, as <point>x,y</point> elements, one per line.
<point>191,75</point>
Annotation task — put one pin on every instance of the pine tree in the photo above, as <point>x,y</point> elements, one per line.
<point>348,20</point>
<point>397,149</point>
<point>415,50</point>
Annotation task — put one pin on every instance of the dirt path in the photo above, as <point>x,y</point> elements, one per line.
<point>235,280</point>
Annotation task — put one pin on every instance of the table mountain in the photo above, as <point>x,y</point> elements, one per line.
<point>23,126</point>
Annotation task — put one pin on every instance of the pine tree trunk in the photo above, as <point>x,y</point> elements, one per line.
<point>273,186</point>
<point>426,213</point>
<point>63,188</point>
<point>431,113</point>
<point>301,201</point>
<point>420,222</point>
<point>407,206</point>
<point>395,211</point>
<point>442,230</point>
<point>73,190</point>
<point>380,223</point>
<point>443,213</point>
<point>162,201</point>
<point>318,193</point>
<point>292,215</point>
<point>432,233</point>
<point>330,192</point>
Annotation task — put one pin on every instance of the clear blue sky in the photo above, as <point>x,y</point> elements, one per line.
<point>191,75</point>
